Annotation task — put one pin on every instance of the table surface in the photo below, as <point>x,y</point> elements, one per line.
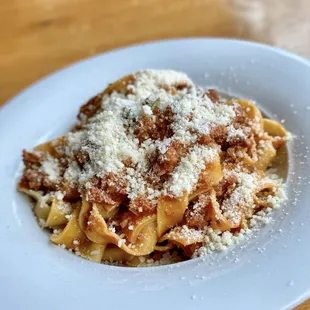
<point>39,37</point>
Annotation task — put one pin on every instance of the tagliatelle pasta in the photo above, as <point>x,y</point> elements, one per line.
<point>156,170</point>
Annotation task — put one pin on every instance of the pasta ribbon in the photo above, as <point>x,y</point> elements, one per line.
<point>155,168</point>
<point>210,176</point>
<point>251,110</point>
<point>92,251</point>
<point>143,238</point>
<point>59,213</point>
<point>261,195</point>
<point>163,248</point>
<point>183,236</point>
<point>275,131</point>
<point>170,212</point>
<point>42,205</point>
<point>88,219</point>
<point>72,235</point>
<point>218,220</point>
<point>266,153</point>
<point>52,147</point>
<point>113,253</point>
<point>273,128</point>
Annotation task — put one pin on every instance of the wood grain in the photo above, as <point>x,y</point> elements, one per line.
<point>41,36</point>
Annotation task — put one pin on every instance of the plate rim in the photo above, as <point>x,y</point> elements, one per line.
<point>10,104</point>
<point>74,64</point>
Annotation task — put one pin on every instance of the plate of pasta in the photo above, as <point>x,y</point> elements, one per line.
<point>183,179</point>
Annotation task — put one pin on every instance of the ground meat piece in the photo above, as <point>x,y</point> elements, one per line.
<point>71,193</point>
<point>175,87</point>
<point>90,108</point>
<point>141,205</point>
<point>32,159</point>
<point>235,153</point>
<point>34,178</point>
<point>145,129</point>
<point>156,127</point>
<point>197,215</point>
<point>110,190</point>
<point>163,121</point>
<point>205,140</point>
<point>213,95</point>
<point>81,157</point>
<point>31,179</point>
<point>165,163</point>
<point>225,187</point>
<point>240,117</point>
<point>37,180</point>
<point>180,85</point>
<point>218,134</point>
<point>99,195</point>
<point>242,149</point>
<point>121,86</point>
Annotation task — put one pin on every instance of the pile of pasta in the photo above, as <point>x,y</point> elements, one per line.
<point>99,220</point>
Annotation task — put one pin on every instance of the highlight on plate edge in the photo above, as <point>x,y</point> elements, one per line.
<point>156,170</point>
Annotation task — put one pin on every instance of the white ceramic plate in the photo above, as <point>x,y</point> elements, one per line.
<point>271,272</point>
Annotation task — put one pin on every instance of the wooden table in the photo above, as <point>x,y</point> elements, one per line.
<point>41,36</point>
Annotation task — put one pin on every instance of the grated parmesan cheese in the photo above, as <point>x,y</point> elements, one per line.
<point>109,137</point>
<point>112,147</point>
<point>59,195</point>
<point>235,134</point>
<point>186,174</point>
<point>120,242</point>
<point>50,166</point>
<point>242,196</point>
